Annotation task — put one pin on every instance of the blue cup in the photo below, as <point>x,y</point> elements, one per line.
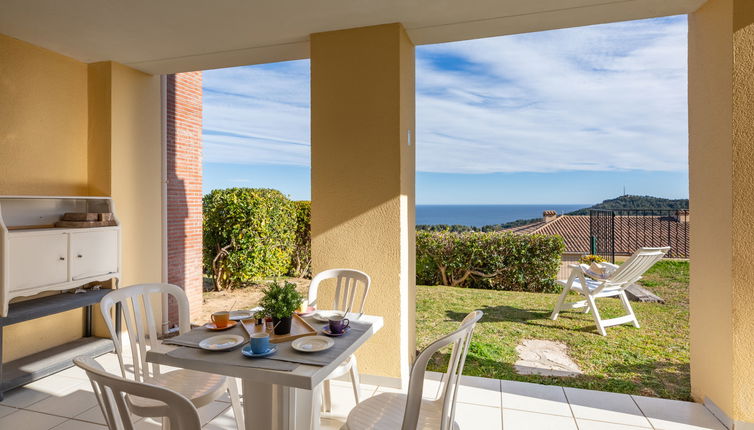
<point>260,343</point>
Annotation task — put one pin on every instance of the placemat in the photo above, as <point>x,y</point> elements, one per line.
<point>232,357</point>
<point>287,353</point>
<point>198,334</point>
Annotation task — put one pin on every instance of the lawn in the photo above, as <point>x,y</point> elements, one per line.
<point>652,360</point>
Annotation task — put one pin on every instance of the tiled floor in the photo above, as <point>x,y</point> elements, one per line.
<point>64,401</point>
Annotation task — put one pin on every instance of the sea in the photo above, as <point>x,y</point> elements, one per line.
<point>481,215</point>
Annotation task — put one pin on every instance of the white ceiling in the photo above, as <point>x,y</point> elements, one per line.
<point>166,36</point>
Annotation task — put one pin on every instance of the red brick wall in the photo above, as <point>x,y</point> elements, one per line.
<point>184,174</point>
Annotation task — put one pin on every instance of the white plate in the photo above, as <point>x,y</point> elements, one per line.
<point>324,316</point>
<point>312,343</point>
<point>221,342</point>
<point>240,315</point>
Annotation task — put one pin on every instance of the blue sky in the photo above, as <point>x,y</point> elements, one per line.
<point>563,116</point>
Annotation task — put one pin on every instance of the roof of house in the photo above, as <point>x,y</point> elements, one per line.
<point>631,232</point>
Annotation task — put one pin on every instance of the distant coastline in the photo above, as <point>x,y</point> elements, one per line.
<point>481,215</point>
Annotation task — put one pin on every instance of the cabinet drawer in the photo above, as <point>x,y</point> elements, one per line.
<point>37,260</point>
<point>94,253</point>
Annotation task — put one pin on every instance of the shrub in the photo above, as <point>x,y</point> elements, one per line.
<point>248,234</point>
<point>301,261</point>
<point>494,260</point>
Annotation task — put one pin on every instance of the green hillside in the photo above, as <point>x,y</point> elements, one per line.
<point>636,202</point>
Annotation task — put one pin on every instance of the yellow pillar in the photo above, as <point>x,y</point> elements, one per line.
<point>363,168</point>
<point>721,158</point>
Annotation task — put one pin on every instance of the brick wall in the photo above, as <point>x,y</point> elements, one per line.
<point>184,174</point>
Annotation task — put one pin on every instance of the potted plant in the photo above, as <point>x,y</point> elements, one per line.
<point>280,302</point>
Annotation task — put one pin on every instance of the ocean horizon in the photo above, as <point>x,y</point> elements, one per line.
<point>481,215</point>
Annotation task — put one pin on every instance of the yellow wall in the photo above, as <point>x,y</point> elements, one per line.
<point>68,128</point>
<point>362,92</point>
<point>721,179</point>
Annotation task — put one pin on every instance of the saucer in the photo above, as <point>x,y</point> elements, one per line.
<point>213,327</point>
<point>246,350</point>
<point>326,331</point>
<point>240,315</point>
<point>309,311</point>
<point>324,316</point>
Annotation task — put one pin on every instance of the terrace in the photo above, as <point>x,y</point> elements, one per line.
<point>84,114</point>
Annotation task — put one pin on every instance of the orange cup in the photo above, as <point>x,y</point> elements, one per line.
<point>221,319</point>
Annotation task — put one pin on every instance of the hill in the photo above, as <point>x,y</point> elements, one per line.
<point>636,202</point>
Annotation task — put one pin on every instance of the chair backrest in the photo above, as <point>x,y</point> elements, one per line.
<point>111,392</point>
<point>346,288</point>
<point>137,310</point>
<point>641,261</point>
<point>460,339</point>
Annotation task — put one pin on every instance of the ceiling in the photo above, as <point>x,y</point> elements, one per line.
<point>167,36</point>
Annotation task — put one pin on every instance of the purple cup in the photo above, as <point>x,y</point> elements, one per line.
<point>338,325</point>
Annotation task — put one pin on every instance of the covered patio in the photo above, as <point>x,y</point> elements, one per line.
<point>83,114</point>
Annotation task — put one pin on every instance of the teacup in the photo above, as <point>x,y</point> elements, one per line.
<point>260,342</point>
<point>338,324</point>
<point>221,319</point>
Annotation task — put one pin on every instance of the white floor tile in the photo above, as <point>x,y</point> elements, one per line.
<point>223,421</point>
<point>66,405</point>
<point>6,410</point>
<point>151,424</point>
<point>92,415</point>
<point>343,400</point>
<point>523,420</point>
<point>78,425</point>
<point>674,414</point>
<point>601,425</point>
<point>603,406</point>
<point>29,420</point>
<point>546,399</point>
<point>479,391</point>
<point>470,416</point>
<point>331,424</point>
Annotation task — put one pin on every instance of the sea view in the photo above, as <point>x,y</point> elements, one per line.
<point>481,215</point>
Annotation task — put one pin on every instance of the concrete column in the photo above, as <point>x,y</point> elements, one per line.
<point>363,168</point>
<point>721,176</point>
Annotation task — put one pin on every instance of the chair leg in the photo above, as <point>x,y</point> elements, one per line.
<point>326,398</point>
<point>235,403</point>
<point>559,303</point>
<point>355,382</point>
<point>595,314</point>
<point>165,423</point>
<point>628,308</point>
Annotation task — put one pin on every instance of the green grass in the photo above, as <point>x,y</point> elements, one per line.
<point>652,360</point>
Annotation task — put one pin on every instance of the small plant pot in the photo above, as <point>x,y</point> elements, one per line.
<point>282,325</point>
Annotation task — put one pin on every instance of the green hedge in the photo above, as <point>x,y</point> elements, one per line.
<point>301,260</point>
<point>249,234</point>
<point>495,260</point>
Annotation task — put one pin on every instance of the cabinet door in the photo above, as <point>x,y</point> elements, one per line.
<point>38,260</point>
<point>94,253</point>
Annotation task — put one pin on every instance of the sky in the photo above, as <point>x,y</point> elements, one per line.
<point>556,117</point>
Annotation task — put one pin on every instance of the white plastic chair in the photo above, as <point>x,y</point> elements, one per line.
<point>115,394</point>
<point>346,294</point>
<point>615,285</point>
<point>392,411</point>
<point>136,305</point>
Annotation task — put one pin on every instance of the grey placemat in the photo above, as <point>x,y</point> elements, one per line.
<point>198,334</point>
<point>232,357</point>
<point>287,353</point>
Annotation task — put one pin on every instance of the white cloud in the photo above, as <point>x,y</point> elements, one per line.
<point>593,98</point>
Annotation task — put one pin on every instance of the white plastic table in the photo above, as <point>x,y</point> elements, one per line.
<point>273,399</point>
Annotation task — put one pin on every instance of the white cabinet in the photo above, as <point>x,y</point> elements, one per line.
<point>38,260</point>
<point>93,253</point>
<point>36,257</point>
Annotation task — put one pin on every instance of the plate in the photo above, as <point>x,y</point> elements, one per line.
<point>326,331</point>
<point>312,344</point>
<point>324,316</point>
<point>247,351</point>
<point>240,315</point>
<point>213,327</point>
<point>221,342</point>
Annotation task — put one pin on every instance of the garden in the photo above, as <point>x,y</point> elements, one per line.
<point>253,236</point>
